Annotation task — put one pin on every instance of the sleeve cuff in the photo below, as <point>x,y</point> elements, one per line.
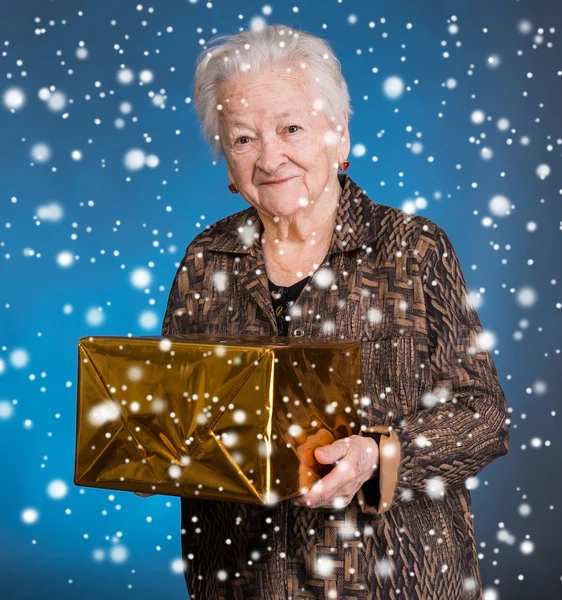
<point>377,501</point>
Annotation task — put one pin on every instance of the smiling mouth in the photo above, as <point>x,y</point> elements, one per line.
<point>279,182</point>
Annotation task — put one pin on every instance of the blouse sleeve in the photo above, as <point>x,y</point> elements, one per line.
<point>463,421</point>
<point>181,310</point>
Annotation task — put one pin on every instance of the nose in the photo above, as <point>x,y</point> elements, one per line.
<point>271,156</point>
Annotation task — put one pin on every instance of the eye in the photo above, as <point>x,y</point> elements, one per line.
<point>297,126</point>
<point>242,137</point>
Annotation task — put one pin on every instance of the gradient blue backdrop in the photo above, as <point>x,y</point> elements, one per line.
<point>93,543</point>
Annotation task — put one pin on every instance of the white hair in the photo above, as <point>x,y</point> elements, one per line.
<point>259,49</point>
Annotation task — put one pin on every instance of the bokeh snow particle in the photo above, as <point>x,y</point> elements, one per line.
<point>503,124</point>
<point>140,278</point>
<point>65,258</point>
<point>358,150</point>
<point>125,76</point>
<point>540,387</point>
<point>52,212</point>
<point>57,489</point>
<point>527,547</point>
<point>324,277</point>
<point>257,23</point>
<point>526,297</point>
<point>178,566</point>
<point>435,488</point>
<point>19,358</point>
<point>14,98</point>
<point>134,159</point>
<point>220,280</point>
<point>485,341</point>
<point>477,117</point>
<point>6,410</point>
<point>499,205</point>
<point>30,516</point>
<point>148,319</point>
<point>146,76</point>
<point>103,412</point>
<point>393,87</point>
<point>118,554</point>
<point>56,101</point>
<point>543,171</point>
<point>41,152</point>
<point>324,565</point>
<point>524,26</point>
<point>95,317</point>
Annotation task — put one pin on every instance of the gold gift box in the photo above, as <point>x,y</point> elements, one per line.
<point>232,418</point>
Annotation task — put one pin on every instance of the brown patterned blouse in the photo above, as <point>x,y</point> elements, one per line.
<point>429,388</point>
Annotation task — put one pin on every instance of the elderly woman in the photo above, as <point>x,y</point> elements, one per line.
<point>314,256</point>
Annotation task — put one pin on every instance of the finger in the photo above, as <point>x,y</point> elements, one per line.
<point>332,452</point>
<point>324,491</point>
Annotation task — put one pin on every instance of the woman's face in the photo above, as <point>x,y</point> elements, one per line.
<point>272,128</point>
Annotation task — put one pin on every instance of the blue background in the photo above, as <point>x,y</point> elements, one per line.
<point>148,217</point>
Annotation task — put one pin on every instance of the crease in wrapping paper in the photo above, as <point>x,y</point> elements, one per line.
<point>111,440</point>
<point>277,459</point>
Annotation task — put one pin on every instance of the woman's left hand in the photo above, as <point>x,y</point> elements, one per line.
<point>355,459</point>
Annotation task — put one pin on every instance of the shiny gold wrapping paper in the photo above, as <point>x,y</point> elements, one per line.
<point>232,418</point>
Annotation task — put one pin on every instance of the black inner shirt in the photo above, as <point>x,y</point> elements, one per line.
<point>283,298</point>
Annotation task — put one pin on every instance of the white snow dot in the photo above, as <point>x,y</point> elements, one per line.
<point>543,171</point>
<point>257,23</point>
<point>358,150</point>
<point>148,319</point>
<point>95,316</point>
<point>477,117</point>
<point>56,102</point>
<point>65,258</point>
<point>14,98</point>
<point>503,124</point>
<point>393,87</point>
<point>103,412</point>
<point>435,488</point>
<point>57,489</point>
<point>19,358</point>
<point>52,212</point>
<point>6,410</point>
<point>324,565</point>
<point>178,566</point>
<point>152,161</point>
<point>485,341</point>
<point>125,76</point>
<point>30,516</point>
<point>41,152</point>
<point>118,554</point>
<point>134,159</point>
<point>140,278</point>
<point>499,205</point>
<point>146,76</point>
<point>526,297</point>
